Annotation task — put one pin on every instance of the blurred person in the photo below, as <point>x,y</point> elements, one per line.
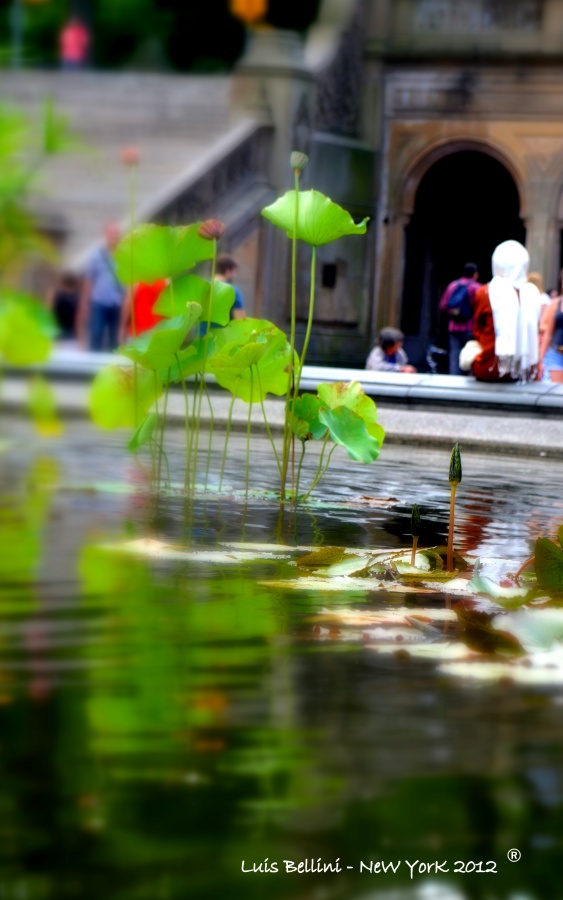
<point>457,303</point>
<point>138,309</point>
<point>506,319</point>
<point>551,348</point>
<point>545,299</point>
<point>102,296</point>
<point>74,44</point>
<point>388,355</point>
<point>63,301</point>
<point>226,269</point>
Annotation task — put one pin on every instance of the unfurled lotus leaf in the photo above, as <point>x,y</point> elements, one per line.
<point>112,399</point>
<point>189,289</point>
<point>151,252</point>
<point>157,348</point>
<point>549,563</point>
<point>349,431</point>
<point>351,395</point>
<point>305,422</point>
<point>319,219</point>
<point>251,359</point>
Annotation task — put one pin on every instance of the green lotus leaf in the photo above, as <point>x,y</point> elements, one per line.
<point>157,348</point>
<point>350,431</point>
<point>143,433</point>
<point>189,360</point>
<point>112,395</point>
<point>151,252</point>
<point>24,338</point>
<point>251,359</point>
<point>549,564</point>
<point>319,219</point>
<point>305,422</point>
<point>193,289</point>
<point>351,395</point>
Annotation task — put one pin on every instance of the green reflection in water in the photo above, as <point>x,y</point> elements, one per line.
<point>163,723</point>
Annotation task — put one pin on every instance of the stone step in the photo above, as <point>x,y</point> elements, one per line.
<point>173,120</point>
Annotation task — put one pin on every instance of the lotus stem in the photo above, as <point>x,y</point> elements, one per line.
<point>162,427</point>
<point>287,432</point>
<point>248,427</point>
<point>187,405</point>
<point>204,362</point>
<point>298,479</point>
<point>309,322</point>
<point>211,427</point>
<point>454,479</point>
<point>227,433</point>
<point>320,475</point>
<point>415,531</point>
<point>524,566</point>
<point>266,423</point>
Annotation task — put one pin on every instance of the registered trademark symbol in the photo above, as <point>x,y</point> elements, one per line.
<point>514,855</point>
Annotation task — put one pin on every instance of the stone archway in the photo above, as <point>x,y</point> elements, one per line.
<point>457,206</point>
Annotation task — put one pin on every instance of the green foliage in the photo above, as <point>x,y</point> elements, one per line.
<point>348,430</point>
<point>305,420</point>
<point>351,396</point>
<point>143,433</point>
<point>152,252</point>
<point>157,348</point>
<point>42,405</point>
<point>250,359</point>
<point>192,289</point>
<point>319,221</point>
<point>26,329</point>
<point>549,562</point>
<point>112,397</point>
<point>189,361</point>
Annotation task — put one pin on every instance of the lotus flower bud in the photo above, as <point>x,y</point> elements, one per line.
<point>211,230</point>
<point>130,156</point>
<point>298,161</point>
<point>455,466</point>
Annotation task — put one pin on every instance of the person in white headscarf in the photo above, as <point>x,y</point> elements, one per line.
<point>506,320</point>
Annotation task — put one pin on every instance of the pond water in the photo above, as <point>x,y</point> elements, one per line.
<point>165,723</point>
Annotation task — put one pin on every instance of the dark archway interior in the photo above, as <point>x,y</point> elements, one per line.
<point>466,204</point>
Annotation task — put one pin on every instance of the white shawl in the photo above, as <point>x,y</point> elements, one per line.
<point>516,309</point>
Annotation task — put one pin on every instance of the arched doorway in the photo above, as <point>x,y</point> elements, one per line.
<point>466,204</point>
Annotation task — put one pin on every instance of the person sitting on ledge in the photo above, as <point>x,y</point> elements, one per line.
<point>389,355</point>
<point>506,320</point>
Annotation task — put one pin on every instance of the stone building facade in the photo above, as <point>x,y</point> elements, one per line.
<point>463,101</point>
<point>440,119</point>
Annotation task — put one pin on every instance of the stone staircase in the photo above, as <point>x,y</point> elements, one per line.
<point>177,123</point>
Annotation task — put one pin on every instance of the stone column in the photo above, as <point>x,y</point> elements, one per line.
<point>272,84</point>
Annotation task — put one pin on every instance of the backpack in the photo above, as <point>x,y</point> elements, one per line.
<point>459,306</point>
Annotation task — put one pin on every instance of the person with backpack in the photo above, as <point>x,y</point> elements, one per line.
<point>457,304</point>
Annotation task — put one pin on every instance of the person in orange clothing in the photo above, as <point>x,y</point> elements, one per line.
<point>144,296</point>
<point>506,319</point>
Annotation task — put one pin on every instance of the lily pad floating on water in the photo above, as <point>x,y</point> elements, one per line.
<point>152,548</point>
